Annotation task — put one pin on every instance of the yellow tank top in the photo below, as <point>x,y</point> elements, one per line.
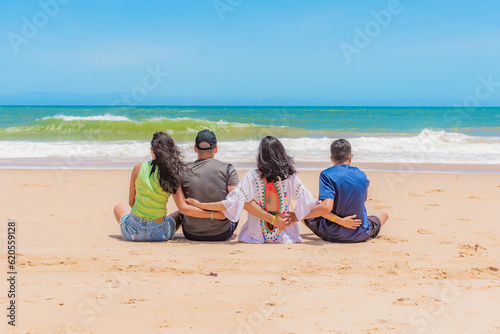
<point>150,199</point>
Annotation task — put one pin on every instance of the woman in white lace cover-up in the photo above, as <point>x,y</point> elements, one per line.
<point>273,186</point>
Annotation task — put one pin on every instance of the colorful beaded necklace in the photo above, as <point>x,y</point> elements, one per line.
<point>270,233</point>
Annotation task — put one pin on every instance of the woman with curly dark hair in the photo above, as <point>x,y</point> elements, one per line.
<point>273,185</point>
<point>151,185</point>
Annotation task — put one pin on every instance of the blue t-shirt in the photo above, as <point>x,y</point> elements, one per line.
<point>348,187</point>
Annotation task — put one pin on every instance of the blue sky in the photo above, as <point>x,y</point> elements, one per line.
<point>250,52</point>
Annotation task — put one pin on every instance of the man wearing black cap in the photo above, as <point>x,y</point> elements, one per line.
<point>210,181</point>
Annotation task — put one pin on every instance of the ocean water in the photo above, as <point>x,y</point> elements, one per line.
<point>113,136</point>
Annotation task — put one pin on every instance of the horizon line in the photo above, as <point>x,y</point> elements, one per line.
<point>246,105</point>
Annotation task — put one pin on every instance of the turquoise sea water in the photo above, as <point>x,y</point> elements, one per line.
<point>237,123</point>
<point>395,134</point>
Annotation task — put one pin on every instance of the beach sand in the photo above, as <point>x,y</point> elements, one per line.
<point>433,269</point>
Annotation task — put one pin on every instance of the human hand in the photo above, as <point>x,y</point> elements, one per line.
<point>348,222</point>
<point>293,217</point>
<point>193,202</point>
<point>282,220</point>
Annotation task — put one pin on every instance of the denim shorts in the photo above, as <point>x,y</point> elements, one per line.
<point>139,229</point>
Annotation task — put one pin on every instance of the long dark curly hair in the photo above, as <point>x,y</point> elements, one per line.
<point>168,160</point>
<point>273,161</point>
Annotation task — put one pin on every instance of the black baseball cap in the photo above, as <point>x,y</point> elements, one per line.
<point>206,136</point>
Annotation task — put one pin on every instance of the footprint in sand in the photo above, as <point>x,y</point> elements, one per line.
<point>404,302</point>
<point>164,324</point>
<point>468,250</point>
<point>371,200</point>
<point>381,207</point>
<point>434,191</point>
<point>473,197</point>
<point>131,301</point>
<point>433,204</point>
<point>474,248</point>
<point>392,240</point>
<point>415,195</point>
<point>37,185</point>
<point>422,231</point>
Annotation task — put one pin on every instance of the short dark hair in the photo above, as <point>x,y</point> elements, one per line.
<point>340,150</point>
<point>273,161</point>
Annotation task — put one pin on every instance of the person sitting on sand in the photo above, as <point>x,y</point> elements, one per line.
<point>343,191</point>
<point>151,185</point>
<point>273,186</point>
<point>210,181</point>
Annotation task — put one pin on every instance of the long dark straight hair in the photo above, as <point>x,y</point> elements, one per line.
<point>273,161</point>
<point>168,160</point>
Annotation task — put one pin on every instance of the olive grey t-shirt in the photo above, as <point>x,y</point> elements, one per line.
<point>208,183</point>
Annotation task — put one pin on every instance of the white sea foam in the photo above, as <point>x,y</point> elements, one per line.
<point>72,149</point>
<point>428,146</point>
<point>108,117</point>
<point>219,123</point>
<point>105,117</point>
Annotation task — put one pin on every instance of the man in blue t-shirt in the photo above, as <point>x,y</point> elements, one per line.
<point>342,192</point>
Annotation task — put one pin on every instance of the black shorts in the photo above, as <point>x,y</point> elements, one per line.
<point>313,225</point>
<point>218,237</point>
<point>376,225</point>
